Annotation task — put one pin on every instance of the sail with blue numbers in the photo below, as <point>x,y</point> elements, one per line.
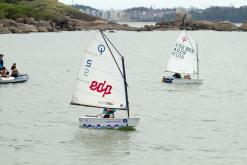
<point>184,55</point>
<point>100,82</point>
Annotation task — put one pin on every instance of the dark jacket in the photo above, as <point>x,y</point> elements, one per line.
<point>1,63</point>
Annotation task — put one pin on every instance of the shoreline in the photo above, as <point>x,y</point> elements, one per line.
<point>29,25</point>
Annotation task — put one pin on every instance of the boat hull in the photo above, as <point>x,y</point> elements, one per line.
<point>172,80</point>
<point>96,122</point>
<point>20,78</point>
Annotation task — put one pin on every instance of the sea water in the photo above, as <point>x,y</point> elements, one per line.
<point>180,124</point>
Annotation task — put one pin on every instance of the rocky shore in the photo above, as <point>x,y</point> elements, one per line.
<point>26,25</point>
<point>196,25</point>
<point>186,22</point>
<point>24,16</point>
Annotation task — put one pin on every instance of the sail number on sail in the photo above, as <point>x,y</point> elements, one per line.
<point>180,50</point>
<point>101,87</point>
<point>87,67</point>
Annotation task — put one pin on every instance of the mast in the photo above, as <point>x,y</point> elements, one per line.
<point>103,35</point>
<point>197,61</point>
<point>125,87</point>
<point>123,74</point>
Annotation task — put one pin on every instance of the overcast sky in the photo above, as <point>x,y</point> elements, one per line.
<point>123,4</point>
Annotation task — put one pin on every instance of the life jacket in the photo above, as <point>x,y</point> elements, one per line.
<point>14,72</point>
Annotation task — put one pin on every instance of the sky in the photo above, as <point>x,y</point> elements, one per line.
<point>124,4</point>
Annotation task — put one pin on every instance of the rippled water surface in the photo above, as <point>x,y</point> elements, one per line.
<point>180,125</point>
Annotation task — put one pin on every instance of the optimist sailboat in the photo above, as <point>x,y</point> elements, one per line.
<point>183,62</point>
<point>102,84</point>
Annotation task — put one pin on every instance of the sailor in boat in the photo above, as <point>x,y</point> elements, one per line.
<point>1,62</point>
<point>14,71</point>
<point>108,112</point>
<point>187,77</point>
<point>177,75</point>
<point>4,72</point>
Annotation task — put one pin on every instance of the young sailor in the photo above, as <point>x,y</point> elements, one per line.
<point>108,112</point>
<point>4,72</point>
<point>187,77</point>
<point>14,70</point>
<point>1,62</point>
<point>177,75</point>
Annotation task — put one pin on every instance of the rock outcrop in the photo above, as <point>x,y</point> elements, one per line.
<point>244,26</point>
<point>26,25</point>
<point>186,22</point>
<point>24,16</point>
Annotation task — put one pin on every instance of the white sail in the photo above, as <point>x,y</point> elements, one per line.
<point>100,81</point>
<point>183,57</point>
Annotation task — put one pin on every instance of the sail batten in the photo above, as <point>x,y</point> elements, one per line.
<point>100,82</point>
<point>87,105</point>
<point>183,58</point>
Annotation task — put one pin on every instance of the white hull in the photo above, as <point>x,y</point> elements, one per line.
<point>96,122</point>
<point>20,78</point>
<point>181,81</point>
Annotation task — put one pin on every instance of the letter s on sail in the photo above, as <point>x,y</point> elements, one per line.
<point>89,62</point>
<point>87,67</point>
